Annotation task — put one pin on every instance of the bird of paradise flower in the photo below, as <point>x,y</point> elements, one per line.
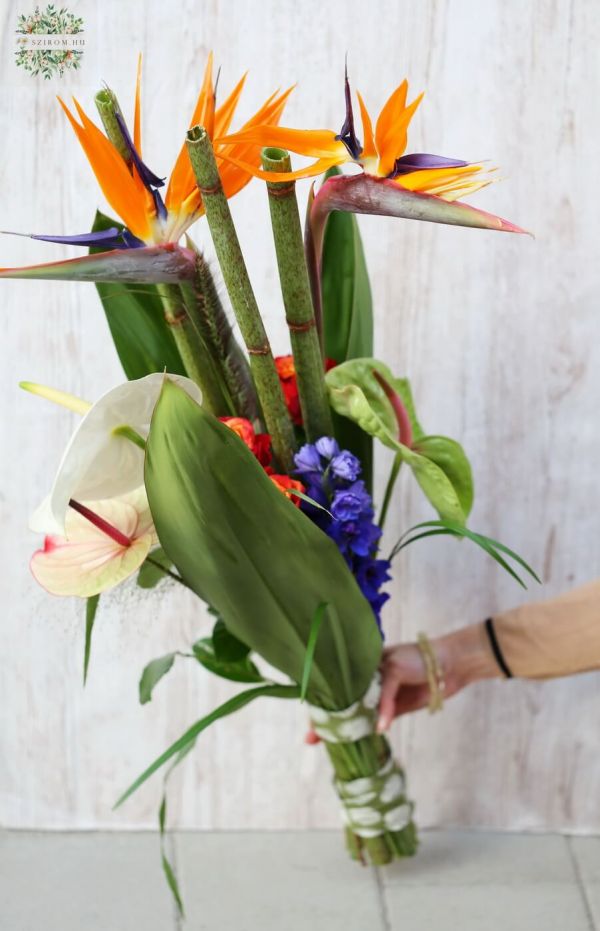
<point>153,225</point>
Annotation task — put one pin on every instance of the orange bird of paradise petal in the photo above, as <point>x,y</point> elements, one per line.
<point>134,191</point>
<point>380,155</point>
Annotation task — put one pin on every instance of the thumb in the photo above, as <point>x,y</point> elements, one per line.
<point>392,679</point>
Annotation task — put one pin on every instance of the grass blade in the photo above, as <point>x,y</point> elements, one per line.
<point>310,647</point>
<point>492,547</point>
<point>172,882</point>
<point>91,608</point>
<point>228,707</point>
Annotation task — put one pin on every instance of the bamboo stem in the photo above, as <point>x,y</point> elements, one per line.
<point>295,288</point>
<point>108,106</point>
<point>243,301</point>
<point>196,360</point>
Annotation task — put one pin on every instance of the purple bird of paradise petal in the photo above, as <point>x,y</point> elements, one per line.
<point>112,238</point>
<point>419,161</point>
<point>148,177</point>
<point>161,210</point>
<point>347,133</point>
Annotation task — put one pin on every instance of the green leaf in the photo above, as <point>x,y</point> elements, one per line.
<point>347,316</point>
<point>242,670</point>
<point>310,648</point>
<point>450,457</point>
<point>346,292</point>
<point>492,547</point>
<point>91,607</point>
<point>227,708</point>
<point>246,550</point>
<point>227,648</point>
<point>151,574</point>
<point>172,882</point>
<point>135,315</point>
<point>356,393</point>
<point>152,674</point>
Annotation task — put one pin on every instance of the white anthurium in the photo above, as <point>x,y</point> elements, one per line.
<point>104,543</point>
<point>104,458</point>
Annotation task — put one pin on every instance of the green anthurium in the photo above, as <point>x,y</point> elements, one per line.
<point>355,392</point>
<point>360,390</point>
<point>250,553</point>
<point>450,457</point>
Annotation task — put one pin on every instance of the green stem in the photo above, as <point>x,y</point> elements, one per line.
<point>198,363</point>
<point>107,106</point>
<point>208,315</point>
<point>172,575</point>
<point>295,288</point>
<point>243,301</point>
<point>389,488</point>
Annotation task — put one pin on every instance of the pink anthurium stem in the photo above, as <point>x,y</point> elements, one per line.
<point>404,425</point>
<point>100,523</point>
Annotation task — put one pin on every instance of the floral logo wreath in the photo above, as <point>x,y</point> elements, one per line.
<point>48,22</point>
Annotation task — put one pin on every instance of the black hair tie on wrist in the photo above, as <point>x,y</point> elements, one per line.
<point>489,629</point>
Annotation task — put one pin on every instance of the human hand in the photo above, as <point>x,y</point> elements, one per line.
<point>463,657</point>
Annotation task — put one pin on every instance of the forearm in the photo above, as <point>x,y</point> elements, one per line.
<point>554,638</point>
<point>545,640</point>
<point>465,656</point>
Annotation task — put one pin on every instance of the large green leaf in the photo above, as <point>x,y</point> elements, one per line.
<point>135,315</point>
<point>346,292</point>
<point>347,309</point>
<point>257,559</point>
<point>438,463</point>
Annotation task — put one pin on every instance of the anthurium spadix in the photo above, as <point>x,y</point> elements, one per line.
<point>104,542</point>
<point>104,458</point>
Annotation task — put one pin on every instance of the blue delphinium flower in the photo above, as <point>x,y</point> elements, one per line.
<point>331,478</point>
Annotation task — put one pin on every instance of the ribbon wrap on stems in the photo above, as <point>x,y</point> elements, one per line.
<point>371,804</point>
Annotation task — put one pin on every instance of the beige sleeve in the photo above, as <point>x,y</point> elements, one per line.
<point>552,638</point>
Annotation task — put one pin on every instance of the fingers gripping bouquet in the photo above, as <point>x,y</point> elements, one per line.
<point>246,478</point>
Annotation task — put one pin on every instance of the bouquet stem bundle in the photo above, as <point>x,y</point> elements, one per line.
<point>363,759</point>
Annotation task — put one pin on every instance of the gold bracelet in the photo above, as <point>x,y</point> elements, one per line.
<point>435,676</point>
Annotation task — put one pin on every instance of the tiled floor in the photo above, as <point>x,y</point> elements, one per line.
<point>293,881</point>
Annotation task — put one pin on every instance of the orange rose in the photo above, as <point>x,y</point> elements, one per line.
<point>288,485</point>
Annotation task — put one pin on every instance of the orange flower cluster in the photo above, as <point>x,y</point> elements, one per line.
<point>259,445</point>
<point>289,384</point>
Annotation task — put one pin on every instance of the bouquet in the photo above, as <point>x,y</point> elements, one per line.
<point>248,478</point>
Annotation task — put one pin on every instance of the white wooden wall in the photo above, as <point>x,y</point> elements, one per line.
<point>499,334</point>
